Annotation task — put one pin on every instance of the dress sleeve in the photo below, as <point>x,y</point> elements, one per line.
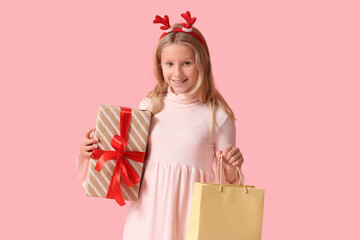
<point>82,165</point>
<point>145,104</point>
<point>225,135</point>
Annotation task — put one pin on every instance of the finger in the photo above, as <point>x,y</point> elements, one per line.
<point>92,134</point>
<point>91,147</point>
<point>87,134</point>
<point>234,157</point>
<point>226,152</point>
<point>88,154</point>
<point>228,148</point>
<point>91,141</point>
<point>238,163</point>
<point>232,153</point>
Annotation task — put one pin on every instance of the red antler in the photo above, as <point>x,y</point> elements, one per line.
<point>164,21</point>
<point>190,21</point>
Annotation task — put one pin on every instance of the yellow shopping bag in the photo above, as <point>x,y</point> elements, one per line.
<point>225,212</point>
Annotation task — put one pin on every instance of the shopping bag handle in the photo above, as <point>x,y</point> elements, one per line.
<point>219,175</point>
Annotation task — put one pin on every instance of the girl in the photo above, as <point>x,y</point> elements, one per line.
<point>191,124</point>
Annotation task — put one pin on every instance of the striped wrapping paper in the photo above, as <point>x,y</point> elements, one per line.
<point>107,125</point>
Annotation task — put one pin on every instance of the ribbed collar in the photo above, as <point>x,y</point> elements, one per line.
<point>182,98</point>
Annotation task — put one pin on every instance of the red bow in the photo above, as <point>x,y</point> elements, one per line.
<point>122,168</point>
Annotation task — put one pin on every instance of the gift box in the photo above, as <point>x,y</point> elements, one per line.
<point>116,167</point>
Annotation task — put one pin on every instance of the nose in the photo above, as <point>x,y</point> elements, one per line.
<point>177,70</point>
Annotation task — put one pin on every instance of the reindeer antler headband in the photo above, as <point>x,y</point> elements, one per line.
<point>186,27</point>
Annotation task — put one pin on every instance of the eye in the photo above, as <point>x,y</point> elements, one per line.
<point>187,63</point>
<point>169,64</point>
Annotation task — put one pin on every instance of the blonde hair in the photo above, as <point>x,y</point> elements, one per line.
<point>205,86</point>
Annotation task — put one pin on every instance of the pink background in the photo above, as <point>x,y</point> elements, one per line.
<point>289,70</point>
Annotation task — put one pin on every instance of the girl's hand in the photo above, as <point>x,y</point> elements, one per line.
<point>232,156</point>
<point>88,144</point>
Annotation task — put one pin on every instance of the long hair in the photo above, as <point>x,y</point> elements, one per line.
<point>204,86</point>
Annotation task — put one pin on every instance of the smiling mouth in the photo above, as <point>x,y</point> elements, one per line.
<point>179,81</point>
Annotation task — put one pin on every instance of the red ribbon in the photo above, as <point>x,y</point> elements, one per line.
<point>122,168</point>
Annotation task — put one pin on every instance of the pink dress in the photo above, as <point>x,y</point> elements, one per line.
<point>180,152</point>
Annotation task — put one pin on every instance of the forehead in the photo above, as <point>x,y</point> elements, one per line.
<point>177,52</point>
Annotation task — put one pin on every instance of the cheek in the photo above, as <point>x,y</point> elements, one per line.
<point>194,73</point>
<point>166,75</point>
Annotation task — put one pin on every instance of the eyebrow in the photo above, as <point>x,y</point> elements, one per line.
<point>166,59</point>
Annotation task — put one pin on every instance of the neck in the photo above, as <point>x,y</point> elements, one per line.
<point>184,98</point>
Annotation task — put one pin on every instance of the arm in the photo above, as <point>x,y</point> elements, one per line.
<point>82,160</point>
<point>225,142</point>
<point>82,165</point>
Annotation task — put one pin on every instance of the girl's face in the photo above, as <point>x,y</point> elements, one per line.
<point>178,66</point>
